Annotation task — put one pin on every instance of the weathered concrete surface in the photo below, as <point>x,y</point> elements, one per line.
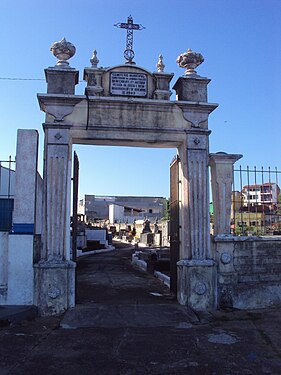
<point>229,342</point>
<point>249,271</point>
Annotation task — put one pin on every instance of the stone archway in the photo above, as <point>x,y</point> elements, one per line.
<point>130,106</point>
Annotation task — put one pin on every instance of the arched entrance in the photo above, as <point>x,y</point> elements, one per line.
<point>129,106</point>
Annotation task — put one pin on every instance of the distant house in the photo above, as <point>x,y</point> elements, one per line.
<point>7,188</point>
<point>124,214</point>
<point>265,196</point>
<point>255,208</point>
<point>96,207</point>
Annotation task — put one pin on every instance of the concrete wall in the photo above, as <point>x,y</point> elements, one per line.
<point>20,270</point>
<point>3,266</point>
<point>249,271</point>
<point>16,269</point>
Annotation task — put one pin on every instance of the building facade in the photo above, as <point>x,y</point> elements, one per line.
<point>97,207</point>
<point>7,187</point>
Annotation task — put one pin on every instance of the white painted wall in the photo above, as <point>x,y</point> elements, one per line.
<point>116,213</point>
<point>20,270</point>
<point>95,234</point>
<point>3,266</point>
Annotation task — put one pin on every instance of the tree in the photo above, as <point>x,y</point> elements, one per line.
<point>166,215</point>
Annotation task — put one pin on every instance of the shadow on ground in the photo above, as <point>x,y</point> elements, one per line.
<point>126,322</point>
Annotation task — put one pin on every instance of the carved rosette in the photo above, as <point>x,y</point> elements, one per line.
<point>200,288</point>
<point>63,51</point>
<point>190,60</point>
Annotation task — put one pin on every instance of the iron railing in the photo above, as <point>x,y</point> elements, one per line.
<point>256,201</point>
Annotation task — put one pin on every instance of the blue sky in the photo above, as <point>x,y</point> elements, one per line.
<point>240,41</point>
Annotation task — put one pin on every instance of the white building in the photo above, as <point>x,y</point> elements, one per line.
<point>7,188</point>
<point>97,207</point>
<point>261,194</point>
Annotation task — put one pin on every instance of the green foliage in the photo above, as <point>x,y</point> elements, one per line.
<point>167,210</point>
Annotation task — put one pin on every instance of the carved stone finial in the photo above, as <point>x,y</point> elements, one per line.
<point>160,65</point>
<point>63,51</point>
<point>94,60</point>
<point>190,60</point>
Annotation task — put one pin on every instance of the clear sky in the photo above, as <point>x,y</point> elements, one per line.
<point>239,39</point>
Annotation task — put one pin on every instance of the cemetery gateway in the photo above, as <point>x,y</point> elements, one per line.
<point>127,105</point>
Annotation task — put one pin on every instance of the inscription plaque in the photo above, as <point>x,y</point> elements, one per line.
<point>128,84</point>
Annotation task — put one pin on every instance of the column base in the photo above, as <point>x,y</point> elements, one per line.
<point>197,284</point>
<point>54,286</point>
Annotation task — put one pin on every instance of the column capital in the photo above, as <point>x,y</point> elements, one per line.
<point>224,158</point>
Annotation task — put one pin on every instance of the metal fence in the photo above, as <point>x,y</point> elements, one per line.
<point>7,186</point>
<point>256,201</point>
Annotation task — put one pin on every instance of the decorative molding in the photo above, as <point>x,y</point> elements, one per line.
<point>190,60</point>
<point>226,258</point>
<point>63,51</point>
<point>160,65</point>
<point>58,136</point>
<point>196,119</point>
<point>94,60</point>
<point>54,292</point>
<point>200,288</point>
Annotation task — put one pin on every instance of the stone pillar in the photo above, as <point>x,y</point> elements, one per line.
<point>196,268</point>
<point>197,272</point>
<point>61,80</point>
<point>222,180</point>
<point>192,88</point>
<point>55,272</point>
<point>25,182</point>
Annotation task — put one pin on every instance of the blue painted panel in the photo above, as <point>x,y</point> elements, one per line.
<point>22,228</point>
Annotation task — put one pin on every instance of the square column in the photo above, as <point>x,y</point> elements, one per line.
<point>55,272</point>
<point>196,268</point>
<point>25,182</point>
<point>222,180</point>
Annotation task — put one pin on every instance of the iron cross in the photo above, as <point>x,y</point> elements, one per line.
<point>130,26</point>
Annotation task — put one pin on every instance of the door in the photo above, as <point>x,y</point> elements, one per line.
<point>75,180</point>
<point>174,223</point>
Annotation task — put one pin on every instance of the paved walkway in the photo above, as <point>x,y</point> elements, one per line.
<point>126,323</point>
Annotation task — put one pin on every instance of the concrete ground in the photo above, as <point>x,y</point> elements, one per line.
<point>126,323</point>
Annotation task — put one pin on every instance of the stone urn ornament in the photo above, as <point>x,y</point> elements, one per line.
<point>190,60</point>
<point>63,51</point>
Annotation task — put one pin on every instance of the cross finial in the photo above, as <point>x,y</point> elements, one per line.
<point>130,26</point>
